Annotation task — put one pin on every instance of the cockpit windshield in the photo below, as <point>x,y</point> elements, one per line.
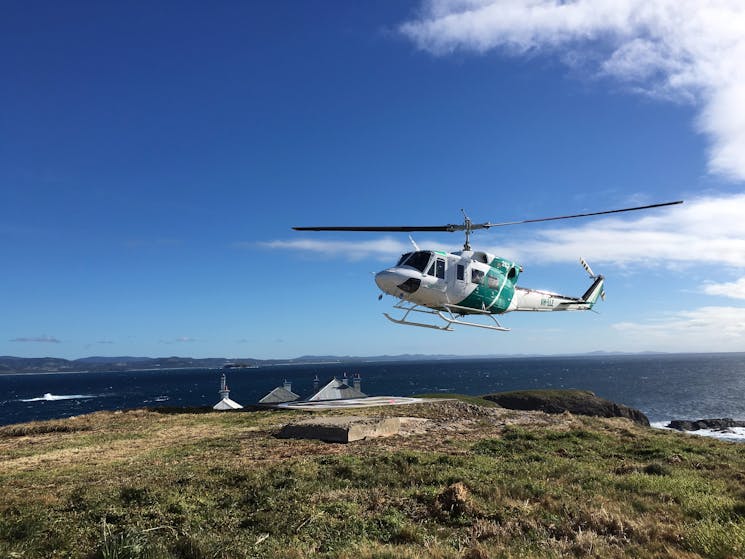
<point>417,260</point>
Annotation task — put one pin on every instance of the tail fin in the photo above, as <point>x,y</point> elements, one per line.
<point>595,291</point>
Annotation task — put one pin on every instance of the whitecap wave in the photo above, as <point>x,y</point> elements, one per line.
<point>732,434</point>
<point>48,397</point>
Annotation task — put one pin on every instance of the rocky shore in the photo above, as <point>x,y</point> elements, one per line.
<point>721,424</point>
<point>580,402</point>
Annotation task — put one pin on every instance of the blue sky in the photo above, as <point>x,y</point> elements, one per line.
<point>155,157</point>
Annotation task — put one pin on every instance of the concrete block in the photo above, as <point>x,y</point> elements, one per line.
<point>348,429</point>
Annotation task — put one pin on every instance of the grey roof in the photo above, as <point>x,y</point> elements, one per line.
<point>336,390</point>
<point>279,395</point>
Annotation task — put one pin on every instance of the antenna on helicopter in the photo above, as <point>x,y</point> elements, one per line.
<point>413,242</point>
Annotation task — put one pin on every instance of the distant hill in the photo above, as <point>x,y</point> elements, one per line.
<point>114,360</point>
<point>10,364</point>
<point>52,364</point>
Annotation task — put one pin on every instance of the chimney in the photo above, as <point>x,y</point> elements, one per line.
<point>344,379</point>
<point>316,384</point>
<point>357,382</point>
<point>288,385</point>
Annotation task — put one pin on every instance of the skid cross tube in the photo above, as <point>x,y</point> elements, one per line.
<point>450,318</point>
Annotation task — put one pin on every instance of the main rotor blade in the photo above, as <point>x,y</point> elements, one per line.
<point>403,228</point>
<point>488,225</point>
<point>473,226</point>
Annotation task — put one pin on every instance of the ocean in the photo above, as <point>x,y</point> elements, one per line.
<point>664,387</point>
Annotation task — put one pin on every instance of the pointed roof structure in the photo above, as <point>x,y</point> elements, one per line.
<point>279,395</point>
<point>226,403</point>
<point>337,390</point>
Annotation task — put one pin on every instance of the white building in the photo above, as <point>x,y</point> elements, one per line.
<point>226,403</point>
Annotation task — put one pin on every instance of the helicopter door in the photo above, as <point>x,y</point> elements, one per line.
<point>456,275</point>
<point>437,271</point>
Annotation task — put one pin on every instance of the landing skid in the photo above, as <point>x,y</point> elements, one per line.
<point>448,315</point>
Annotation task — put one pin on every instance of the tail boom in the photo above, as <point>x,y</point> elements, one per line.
<point>526,299</point>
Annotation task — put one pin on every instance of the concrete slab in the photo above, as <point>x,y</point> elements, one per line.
<point>350,428</point>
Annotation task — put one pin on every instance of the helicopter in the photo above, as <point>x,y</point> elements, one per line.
<point>449,286</point>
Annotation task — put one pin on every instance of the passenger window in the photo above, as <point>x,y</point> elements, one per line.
<point>460,271</point>
<point>477,276</point>
<point>440,268</point>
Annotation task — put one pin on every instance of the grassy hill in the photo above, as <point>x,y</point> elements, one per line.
<point>480,482</point>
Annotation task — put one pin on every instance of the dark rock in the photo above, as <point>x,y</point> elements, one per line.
<point>581,402</point>
<point>695,425</point>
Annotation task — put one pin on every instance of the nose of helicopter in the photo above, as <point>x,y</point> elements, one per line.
<point>395,283</point>
<point>387,281</point>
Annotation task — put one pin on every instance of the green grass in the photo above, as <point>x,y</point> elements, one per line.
<point>193,486</point>
<point>476,400</point>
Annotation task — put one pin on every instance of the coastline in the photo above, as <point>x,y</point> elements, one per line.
<point>664,388</point>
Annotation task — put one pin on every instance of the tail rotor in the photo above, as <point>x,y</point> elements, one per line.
<point>587,268</point>
<point>593,276</point>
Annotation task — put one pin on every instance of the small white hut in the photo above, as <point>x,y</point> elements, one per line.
<point>226,403</point>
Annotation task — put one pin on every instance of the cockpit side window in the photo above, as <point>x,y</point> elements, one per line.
<point>437,269</point>
<point>440,271</point>
<point>418,260</point>
<point>477,276</point>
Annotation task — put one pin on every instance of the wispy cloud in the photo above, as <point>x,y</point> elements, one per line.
<point>179,340</point>
<point>733,289</point>
<point>702,329</point>
<point>38,339</point>
<point>383,249</point>
<point>707,230</point>
<point>689,51</point>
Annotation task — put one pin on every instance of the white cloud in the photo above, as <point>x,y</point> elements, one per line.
<point>703,329</point>
<point>701,231</point>
<point>686,50</point>
<point>733,289</point>
<point>384,248</point>
<point>179,340</point>
<point>708,230</point>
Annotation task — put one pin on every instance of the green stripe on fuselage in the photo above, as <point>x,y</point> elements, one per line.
<point>496,294</point>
